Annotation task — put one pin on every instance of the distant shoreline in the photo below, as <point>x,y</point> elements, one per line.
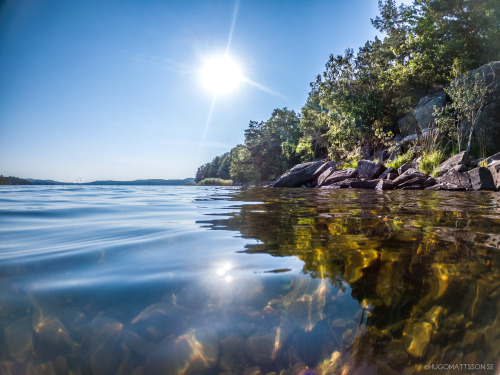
<point>151,182</point>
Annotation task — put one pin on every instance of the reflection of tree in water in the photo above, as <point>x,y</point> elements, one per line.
<point>426,263</point>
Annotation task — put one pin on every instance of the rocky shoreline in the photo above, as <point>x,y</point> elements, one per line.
<point>461,172</point>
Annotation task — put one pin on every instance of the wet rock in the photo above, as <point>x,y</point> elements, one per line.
<point>397,357</point>
<point>137,344</point>
<point>260,347</point>
<point>417,182</point>
<point>417,337</point>
<point>369,169</point>
<point>431,181</point>
<point>412,187</point>
<point>495,173</point>
<point>445,186</point>
<point>6,368</point>
<point>402,169</point>
<point>299,175</point>
<point>157,321</point>
<point>332,365</point>
<point>36,368</point>
<point>385,185</point>
<point>105,351</point>
<point>19,340</point>
<point>456,178</point>
<point>354,183</point>
<point>481,179</point>
<point>462,158</point>
<point>232,357</point>
<point>385,173</point>
<point>60,365</point>
<point>408,175</point>
<point>51,336</point>
<point>252,371</point>
<point>326,170</point>
<point>338,176</point>
<point>299,368</point>
<point>194,352</point>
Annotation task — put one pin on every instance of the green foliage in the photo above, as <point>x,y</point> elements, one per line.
<point>430,161</point>
<point>468,93</point>
<point>272,144</point>
<point>242,167</point>
<point>215,182</point>
<point>400,160</point>
<point>217,168</point>
<point>13,181</point>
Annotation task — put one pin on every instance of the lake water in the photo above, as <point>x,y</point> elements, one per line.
<point>200,280</point>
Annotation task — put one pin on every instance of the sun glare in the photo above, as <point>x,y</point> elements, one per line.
<point>221,75</point>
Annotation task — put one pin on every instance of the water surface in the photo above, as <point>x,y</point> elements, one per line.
<point>200,280</point>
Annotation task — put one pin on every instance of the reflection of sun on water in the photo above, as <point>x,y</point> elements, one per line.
<point>223,271</point>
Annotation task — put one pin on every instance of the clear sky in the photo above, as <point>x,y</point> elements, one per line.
<point>96,89</point>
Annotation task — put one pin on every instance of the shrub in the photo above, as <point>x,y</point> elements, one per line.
<point>430,161</point>
<point>400,160</point>
<point>215,182</point>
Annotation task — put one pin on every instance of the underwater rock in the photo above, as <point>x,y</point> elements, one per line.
<point>60,365</point>
<point>357,262</point>
<point>137,344</point>
<point>331,366</point>
<point>195,352</point>
<point>440,280</point>
<point>263,347</point>
<point>6,368</point>
<point>105,351</point>
<point>252,371</point>
<point>19,340</point>
<point>232,358</point>
<point>35,368</point>
<point>417,337</point>
<point>157,321</point>
<point>51,338</point>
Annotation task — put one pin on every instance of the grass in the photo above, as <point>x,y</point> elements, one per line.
<point>400,160</point>
<point>215,182</point>
<point>429,161</point>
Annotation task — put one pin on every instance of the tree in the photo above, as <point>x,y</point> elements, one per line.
<point>468,93</point>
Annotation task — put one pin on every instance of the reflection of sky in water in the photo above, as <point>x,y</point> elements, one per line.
<point>189,280</point>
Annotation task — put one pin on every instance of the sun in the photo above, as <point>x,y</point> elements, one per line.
<point>221,75</point>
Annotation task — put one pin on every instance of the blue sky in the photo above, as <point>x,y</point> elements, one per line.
<point>112,89</point>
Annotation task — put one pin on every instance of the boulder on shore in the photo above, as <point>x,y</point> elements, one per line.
<point>326,171</point>
<point>338,176</point>
<point>354,183</point>
<point>299,175</point>
<point>424,111</point>
<point>369,169</point>
<point>495,173</point>
<point>456,177</point>
<point>462,158</point>
<point>481,179</point>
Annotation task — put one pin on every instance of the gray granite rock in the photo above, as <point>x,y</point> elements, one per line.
<point>495,173</point>
<point>462,158</point>
<point>299,175</point>
<point>481,179</point>
<point>369,169</point>
<point>338,176</point>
